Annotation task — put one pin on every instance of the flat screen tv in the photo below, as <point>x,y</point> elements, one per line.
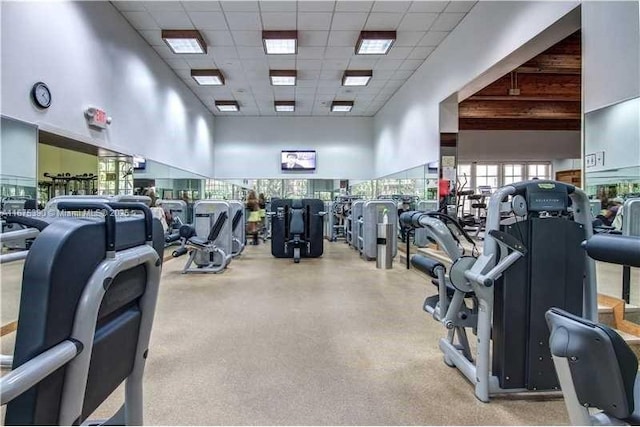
<point>139,163</point>
<point>301,160</point>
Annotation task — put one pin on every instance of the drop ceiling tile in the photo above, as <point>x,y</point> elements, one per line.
<point>282,63</point>
<point>284,92</point>
<point>129,6</point>
<point>314,21</point>
<point>172,20</point>
<point>308,76</point>
<point>240,6</point>
<point>165,52</point>
<point>248,38</point>
<point>383,21</point>
<point>334,52</point>
<point>255,65</point>
<point>278,6</point>
<point>279,20</point>
<point>382,74</point>
<point>408,38</point>
<point>460,6</point>
<point>335,64</point>
<point>309,64</point>
<point>333,75</point>
<point>411,64</point>
<point>391,6</point>
<point>362,62</point>
<point>200,63</point>
<point>185,74</point>
<point>388,64</point>
<point>312,38</point>
<point>433,38</point>
<point>348,21</point>
<point>421,52</point>
<point>311,52</point>
<point>402,75</point>
<point>249,52</point>
<point>208,20</point>
<point>224,53</point>
<point>178,64</point>
<point>428,6</point>
<point>393,84</point>
<point>311,83</point>
<point>218,38</point>
<point>343,38</point>
<point>153,37</point>
<point>417,21</point>
<point>315,6</point>
<point>163,6</point>
<point>141,20</point>
<point>248,21</point>
<point>201,6</point>
<point>399,52</point>
<point>353,6</point>
<point>447,21</point>
<point>301,90</point>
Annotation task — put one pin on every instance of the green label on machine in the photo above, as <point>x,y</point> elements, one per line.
<point>546,186</point>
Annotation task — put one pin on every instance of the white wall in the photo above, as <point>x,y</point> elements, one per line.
<point>19,141</point>
<point>89,55</point>
<point>560,165</point>
<point>610,52</point>
<point>407,127</point>
<point>480,145</point>
<point>249,147</point>
<point>616,131</point>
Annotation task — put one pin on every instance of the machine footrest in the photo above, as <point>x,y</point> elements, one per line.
<point>430,303</point>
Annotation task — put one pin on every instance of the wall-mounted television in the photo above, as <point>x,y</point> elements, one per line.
<point>139,163</point>
<point>300,160</point>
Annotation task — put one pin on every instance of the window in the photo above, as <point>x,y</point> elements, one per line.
<point>540,171</point>
<point>512,173</point>
<point>486,176</point>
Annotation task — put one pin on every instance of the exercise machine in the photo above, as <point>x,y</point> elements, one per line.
<point>595,366</point>
<point>209,241</point>
<point>238,227</point>
<point>530,262</point>
<point>296,228</point>
<point>89,291</point>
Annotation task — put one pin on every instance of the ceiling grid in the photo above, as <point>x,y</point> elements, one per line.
<point>327,33</point>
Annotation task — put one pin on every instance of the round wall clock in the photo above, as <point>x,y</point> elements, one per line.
<point>41,95</point>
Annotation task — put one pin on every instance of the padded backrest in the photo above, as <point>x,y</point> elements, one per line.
<point>56,271</point>
<point>296,224</point>
<point>236,219</point>
<point>603,367</point>
<point>217,227</point>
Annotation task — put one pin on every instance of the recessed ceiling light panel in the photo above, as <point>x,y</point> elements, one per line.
<point>283,77</point>
<point>227,106</point>
<point>280,42</point>
<point>184,41</point>
<point>285,106</point>
<point>375,42</point>
<point>341,106</point>
<point>208,77</point>
<point>356,77</point>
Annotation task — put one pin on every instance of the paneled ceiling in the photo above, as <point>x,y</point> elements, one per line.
<point>327,34</point>
<point>542,94</point>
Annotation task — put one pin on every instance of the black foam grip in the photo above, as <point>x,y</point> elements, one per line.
<point>614,249</point>
<point>173,237</point>
<point>179,252</point>
<point>426,265</point>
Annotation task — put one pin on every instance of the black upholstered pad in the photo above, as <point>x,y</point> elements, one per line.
<point>57,268</point>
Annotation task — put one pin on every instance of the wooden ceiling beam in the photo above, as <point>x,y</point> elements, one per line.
<point>519,124</point>
<point>519,109</point>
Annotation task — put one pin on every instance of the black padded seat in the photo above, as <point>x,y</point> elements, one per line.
<point>213,233</point>
<point>236,220</point>
<point>59,265</point>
